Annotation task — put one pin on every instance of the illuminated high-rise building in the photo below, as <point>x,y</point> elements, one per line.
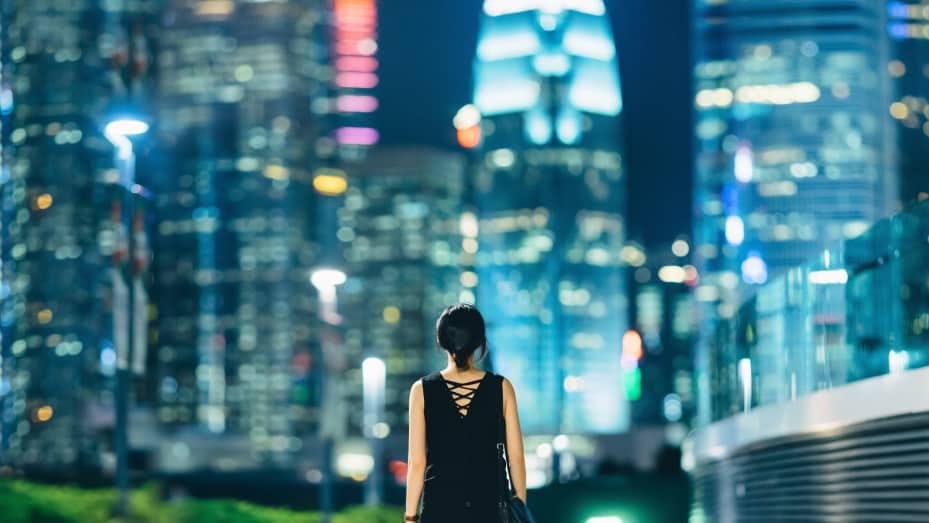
<point>548,196</point>
<point>400,228</point>
<point>238,338</point>
<point>62,65</point>
<point>909,68</point>
<point>795,150</point>
<point>353,53</point>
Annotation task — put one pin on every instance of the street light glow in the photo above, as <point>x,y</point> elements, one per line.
<point>327,278</point>
<point>372,373</point>
<point>125,127</point>
<point>118,132</point>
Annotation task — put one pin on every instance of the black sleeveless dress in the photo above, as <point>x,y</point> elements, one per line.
<point>461,454</point>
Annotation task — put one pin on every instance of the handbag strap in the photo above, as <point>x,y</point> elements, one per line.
<point>503,472</point>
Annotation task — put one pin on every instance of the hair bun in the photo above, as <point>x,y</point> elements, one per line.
<point>460,330</point>
<point>460,339</point>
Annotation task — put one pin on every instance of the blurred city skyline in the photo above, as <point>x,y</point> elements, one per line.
<point>227,228</point>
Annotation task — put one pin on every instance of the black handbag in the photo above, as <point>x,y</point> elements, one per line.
<point>511,509</point>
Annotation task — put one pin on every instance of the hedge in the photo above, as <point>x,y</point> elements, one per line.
<point>24,502</point>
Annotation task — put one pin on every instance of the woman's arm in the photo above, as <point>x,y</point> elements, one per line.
<point>514,440</point>
<point>416,457</point>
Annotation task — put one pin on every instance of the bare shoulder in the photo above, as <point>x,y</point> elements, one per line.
<point>416,391</point>
<point>508,390</point>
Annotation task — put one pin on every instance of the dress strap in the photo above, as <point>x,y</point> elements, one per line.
<point>461,384</point>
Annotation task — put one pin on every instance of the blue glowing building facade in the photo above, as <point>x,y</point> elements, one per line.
<point>908,68</point>
<point>795,151</point>
<point>548,227</point>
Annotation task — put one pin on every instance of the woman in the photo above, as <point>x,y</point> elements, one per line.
<point>454,423</point>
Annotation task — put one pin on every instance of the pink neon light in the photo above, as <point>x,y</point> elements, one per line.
<point>357,80</point>
<point>356,104</point>
<point>357,135</point>
<point>346,32</point>
<point>347,47</point>
<point>362,47</point>
<point>355,19</point>
<point>360,64</point>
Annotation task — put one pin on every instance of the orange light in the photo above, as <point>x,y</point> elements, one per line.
<point>354,6</point>
<point>44,316</point>
<point>469,137</point>
<point>43,201</point>
<point>632,344</point>
<point>44,413</point>
<point>330,182</point>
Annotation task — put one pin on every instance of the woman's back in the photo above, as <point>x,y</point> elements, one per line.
<point>462,423</point>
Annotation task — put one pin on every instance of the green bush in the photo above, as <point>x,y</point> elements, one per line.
<point>23,502</point>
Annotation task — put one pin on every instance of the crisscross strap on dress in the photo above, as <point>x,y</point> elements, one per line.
<point>469,388</point>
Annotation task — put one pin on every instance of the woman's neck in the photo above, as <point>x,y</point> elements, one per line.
<point>451,369</point>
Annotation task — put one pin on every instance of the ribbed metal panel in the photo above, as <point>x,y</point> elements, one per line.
<point>876,472</point>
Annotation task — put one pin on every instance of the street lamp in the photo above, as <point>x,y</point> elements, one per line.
<point>373,373</point>
<point>118,131</point>
<point>326,280</point>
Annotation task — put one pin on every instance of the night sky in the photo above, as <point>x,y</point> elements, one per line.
<point>426,51</point>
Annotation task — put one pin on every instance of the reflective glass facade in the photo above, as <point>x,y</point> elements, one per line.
<point>858,310</point>
<point>237,322</point>
<point>794,147</point>
<point>548,224</point>
<point>908,27</point>
<point>61,64</point>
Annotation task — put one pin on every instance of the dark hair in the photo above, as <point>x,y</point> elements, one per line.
<point>460,331</point>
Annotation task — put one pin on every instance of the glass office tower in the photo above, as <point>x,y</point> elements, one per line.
<point>794,149</point>
<point>237,312</point>
<point>548,198</point>
<point>909,70</point>
<point>62,64</point>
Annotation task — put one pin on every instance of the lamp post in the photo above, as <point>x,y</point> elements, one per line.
<point>326,280</point>
<point>118,132</point>
<point>373,376</point>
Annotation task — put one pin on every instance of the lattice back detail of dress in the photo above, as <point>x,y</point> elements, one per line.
<point>462,392</point>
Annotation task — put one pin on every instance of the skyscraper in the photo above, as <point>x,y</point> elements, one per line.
<point>794,149</point>
<point>354,63</point>
<point>909,69</point>
<point>400,229</point>
<point>62,66</point>
<point>238,338</point>
<point>548,199</point>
